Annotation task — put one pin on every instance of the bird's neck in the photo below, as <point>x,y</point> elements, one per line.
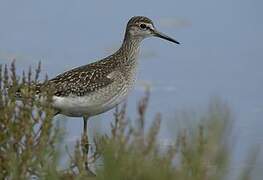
<point>130,49</point>
<point>128,53</point>
<point>131,42</point>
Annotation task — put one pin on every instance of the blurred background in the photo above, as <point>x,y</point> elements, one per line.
<point>221,55</point>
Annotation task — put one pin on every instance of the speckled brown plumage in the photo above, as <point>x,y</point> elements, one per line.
<point>81,80</point>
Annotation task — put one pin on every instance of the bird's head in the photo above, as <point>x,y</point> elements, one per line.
<point>140,27</point>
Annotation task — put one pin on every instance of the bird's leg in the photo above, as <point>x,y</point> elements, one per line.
<point>85,140</point>
<point>85,121</point>
<point>85,145</point>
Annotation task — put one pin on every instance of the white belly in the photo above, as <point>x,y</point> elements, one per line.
<point>80,106</point>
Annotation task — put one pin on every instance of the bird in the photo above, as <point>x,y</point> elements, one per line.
<point>97,87</point>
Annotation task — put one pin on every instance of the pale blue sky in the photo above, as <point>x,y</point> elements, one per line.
<point>221,52</point>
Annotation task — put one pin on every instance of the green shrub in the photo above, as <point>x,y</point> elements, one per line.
<point>30,141</point>
<point>28,138</point>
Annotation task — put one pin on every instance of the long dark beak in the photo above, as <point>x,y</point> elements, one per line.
<point>163,36</point>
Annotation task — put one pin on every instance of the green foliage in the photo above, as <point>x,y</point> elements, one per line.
<point>132,153</point>
<point>27,136</point>
<point>29,141</point>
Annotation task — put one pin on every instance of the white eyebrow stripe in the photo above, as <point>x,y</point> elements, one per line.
<point>150,26</point>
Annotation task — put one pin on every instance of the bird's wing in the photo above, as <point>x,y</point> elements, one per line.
<point>80,81</point>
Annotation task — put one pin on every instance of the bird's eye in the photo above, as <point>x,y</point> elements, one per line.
<point>143,26</point>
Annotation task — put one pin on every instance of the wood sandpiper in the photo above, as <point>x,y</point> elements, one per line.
<point>94,88</point>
